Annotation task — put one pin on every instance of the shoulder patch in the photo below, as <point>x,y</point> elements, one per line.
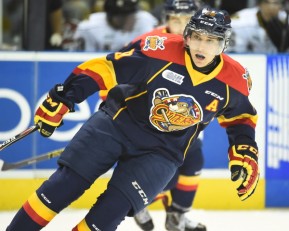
<point>247,76</point>
<point>154,42</point>
<point>167,47</point>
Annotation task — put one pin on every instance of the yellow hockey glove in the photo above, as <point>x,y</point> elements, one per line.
<point>50,113</point>
<point>243,162</point>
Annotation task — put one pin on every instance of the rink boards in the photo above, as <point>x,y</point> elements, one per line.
<point>27,76</point>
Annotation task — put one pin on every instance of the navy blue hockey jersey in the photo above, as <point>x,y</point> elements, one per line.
<point>160,101</point>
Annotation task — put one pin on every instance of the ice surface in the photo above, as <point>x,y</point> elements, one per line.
<point>215,220</point>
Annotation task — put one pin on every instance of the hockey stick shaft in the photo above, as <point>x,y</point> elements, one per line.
<point>4,166</point>
<point>18,137</point>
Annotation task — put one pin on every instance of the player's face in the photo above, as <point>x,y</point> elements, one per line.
<point>204,48</point>
<point>177,23</point>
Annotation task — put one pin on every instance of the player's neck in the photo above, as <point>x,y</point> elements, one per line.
<point>209,68</point>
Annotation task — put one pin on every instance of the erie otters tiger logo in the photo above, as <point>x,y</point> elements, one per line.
<point>174,112</point>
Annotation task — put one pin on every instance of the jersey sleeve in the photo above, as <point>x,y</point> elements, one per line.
<point>239,118</point>
<point>103,73</point>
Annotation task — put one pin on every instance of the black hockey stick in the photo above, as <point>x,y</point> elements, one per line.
<point>4,166</point>
<point>18,137</point>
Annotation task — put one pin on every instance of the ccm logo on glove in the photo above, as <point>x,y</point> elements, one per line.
<point>243,162</point>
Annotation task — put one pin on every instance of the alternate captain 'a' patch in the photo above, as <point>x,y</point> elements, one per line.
<point>154,43</point>
<point>174,112</point>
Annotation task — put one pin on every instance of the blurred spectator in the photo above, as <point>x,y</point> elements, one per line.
<point>230,6</point>
<point>13,14</point>
<point>262,29</point>
<point>99,5</point>
<point>12,27</point>
<point>121,22</point>
<point>143,5</point>
<point>54,25</point>
<point>74,11</point>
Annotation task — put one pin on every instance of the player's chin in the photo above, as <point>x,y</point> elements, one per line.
<point>200,60</point>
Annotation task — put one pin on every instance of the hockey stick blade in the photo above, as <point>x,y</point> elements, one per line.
<point>4,166</point>
<point>18,137</point>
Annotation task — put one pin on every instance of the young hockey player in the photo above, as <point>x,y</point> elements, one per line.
<point>184,185</point>
<point>165,90</point>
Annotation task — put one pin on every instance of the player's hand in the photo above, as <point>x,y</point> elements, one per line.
<point>50,113</point>
<point>243,163</point>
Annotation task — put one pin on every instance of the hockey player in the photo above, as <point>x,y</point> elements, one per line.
<point>184,184</point>
<point>261,29</point>
<point>165,89</point>
<point>121,21</point>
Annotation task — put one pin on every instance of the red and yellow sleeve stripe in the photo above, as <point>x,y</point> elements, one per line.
<point>38,211</point>
<point>99,69</point>
<point>246,119</point>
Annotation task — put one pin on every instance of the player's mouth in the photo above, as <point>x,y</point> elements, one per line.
<point>200,57</point>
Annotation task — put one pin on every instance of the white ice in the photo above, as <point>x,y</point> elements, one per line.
<point>215,220</point>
